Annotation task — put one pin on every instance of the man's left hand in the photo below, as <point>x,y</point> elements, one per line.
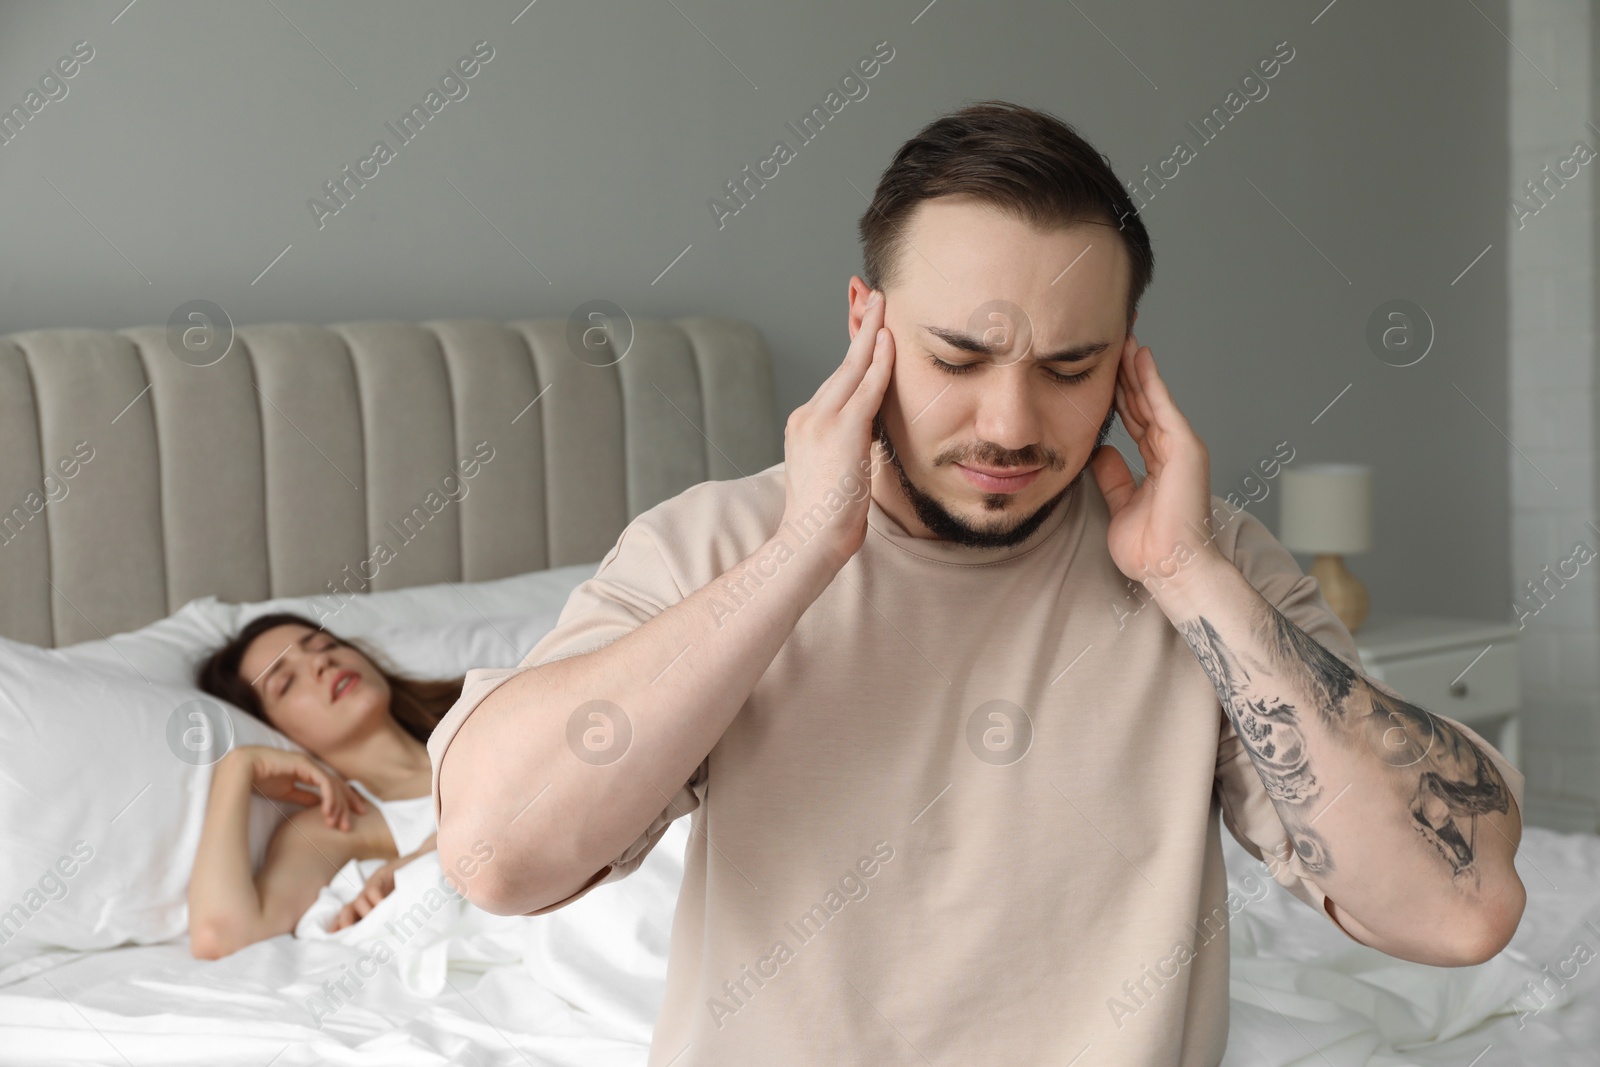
<point>1157,526</point>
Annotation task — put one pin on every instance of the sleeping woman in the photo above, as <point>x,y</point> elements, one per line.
<point>369,725</point>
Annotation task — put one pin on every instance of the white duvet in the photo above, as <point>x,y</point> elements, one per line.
<point>423,978</point>
<point>427,979</point>
<point>604,954</point>
<point>1303,993</point>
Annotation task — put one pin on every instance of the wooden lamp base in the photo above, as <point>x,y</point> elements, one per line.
<point>1343,591</point>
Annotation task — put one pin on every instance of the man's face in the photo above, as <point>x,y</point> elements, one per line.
<point>973,277</point>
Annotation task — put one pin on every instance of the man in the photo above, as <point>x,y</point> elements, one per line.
<point>955,787</point>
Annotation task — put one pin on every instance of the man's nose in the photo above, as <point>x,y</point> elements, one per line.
<point>1008,408</point>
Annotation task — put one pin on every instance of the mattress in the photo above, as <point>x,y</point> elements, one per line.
<point>427,979</point>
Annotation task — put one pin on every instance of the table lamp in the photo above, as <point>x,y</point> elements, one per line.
<point>1327,511</point>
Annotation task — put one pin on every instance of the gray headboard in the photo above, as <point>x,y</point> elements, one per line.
<point>132,481</point>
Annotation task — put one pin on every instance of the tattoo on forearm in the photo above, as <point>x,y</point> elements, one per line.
<point>1331,678</point>
<point>1269,729</point>
<point>1452,781</point>
<point>1456,782</point>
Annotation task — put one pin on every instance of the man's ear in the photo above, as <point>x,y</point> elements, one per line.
<point>857,293</point>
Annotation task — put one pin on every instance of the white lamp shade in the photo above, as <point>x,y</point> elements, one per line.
<point>1327,508</point>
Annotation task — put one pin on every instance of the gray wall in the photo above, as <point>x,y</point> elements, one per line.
<point>1374,169</point>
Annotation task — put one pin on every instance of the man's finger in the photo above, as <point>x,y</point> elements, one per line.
<point>841,384</point>
<point>1112,475</point>
<point>1130,418</point>
<point>871,390</point>
<point>1136,386</point>
<point>1161,400</point>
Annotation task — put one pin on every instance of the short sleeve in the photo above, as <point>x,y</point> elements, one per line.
<point>1247,810</point>
<point>632,585</point>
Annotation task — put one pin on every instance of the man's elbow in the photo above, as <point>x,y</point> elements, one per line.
<point>467,862</point>
<point>1495,926</point>
<point>499,881</point>
<point>490,895</point>
<point>478,867</point>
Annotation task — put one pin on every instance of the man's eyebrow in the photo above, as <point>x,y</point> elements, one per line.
<point>278,662</point>
<point>967,343</point>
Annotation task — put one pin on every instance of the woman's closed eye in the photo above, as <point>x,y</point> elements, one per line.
<point>327,644</point>
<point>965,368</point>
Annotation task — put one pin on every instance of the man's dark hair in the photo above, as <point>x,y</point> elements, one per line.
<point>1023,161</point>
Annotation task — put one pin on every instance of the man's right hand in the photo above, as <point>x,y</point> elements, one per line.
<point>828,441</point>
<point>515,744</point>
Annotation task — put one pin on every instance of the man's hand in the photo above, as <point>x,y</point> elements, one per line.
<point>827,443</point>
<point>380,885</point>
<point>1416,828</point>
<point>1160,524</point>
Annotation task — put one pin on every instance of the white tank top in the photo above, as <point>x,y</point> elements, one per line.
<point>410,820</point>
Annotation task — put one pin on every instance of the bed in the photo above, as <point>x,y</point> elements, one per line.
<point>158,493</point>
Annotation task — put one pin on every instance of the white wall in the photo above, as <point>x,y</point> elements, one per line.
<point>1553,398</point>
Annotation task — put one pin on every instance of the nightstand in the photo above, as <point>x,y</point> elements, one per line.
<point>1464,669</point>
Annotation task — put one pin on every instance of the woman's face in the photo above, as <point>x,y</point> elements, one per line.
<point>313,688</point>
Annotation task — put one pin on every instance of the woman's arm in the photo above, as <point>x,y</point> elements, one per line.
<point>380,885</point>
<point>230,906</point>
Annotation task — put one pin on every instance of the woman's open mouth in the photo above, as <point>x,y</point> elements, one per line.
<point>343,682</point>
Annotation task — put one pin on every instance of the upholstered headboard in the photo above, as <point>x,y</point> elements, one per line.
<point>133,480</point>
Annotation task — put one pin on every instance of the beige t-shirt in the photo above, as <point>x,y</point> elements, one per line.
<point>969,814</point>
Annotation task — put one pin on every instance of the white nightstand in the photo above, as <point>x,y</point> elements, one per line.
<point>1464,669</point>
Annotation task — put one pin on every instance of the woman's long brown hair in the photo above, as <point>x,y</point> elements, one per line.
<point>417,704</point>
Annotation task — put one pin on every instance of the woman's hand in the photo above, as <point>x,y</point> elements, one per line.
<point>380,885</point>
<point>279,774</point>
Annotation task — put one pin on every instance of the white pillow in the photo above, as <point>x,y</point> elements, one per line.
<point>449,650</point>
<point>167,652</point>
<point>102,797</point>
<point>90,758</point>
<point>172,649</point>
<point>447,601</point>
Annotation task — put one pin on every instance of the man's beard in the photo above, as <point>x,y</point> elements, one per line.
<point>948,527</point>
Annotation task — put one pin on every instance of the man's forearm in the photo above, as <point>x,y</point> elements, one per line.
<point>1400,819</point>
<point>555,817</point>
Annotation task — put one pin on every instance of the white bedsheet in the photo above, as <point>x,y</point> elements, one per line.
<point>423,978</point>
<point>582,985</point>
<point>1304,994</point>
